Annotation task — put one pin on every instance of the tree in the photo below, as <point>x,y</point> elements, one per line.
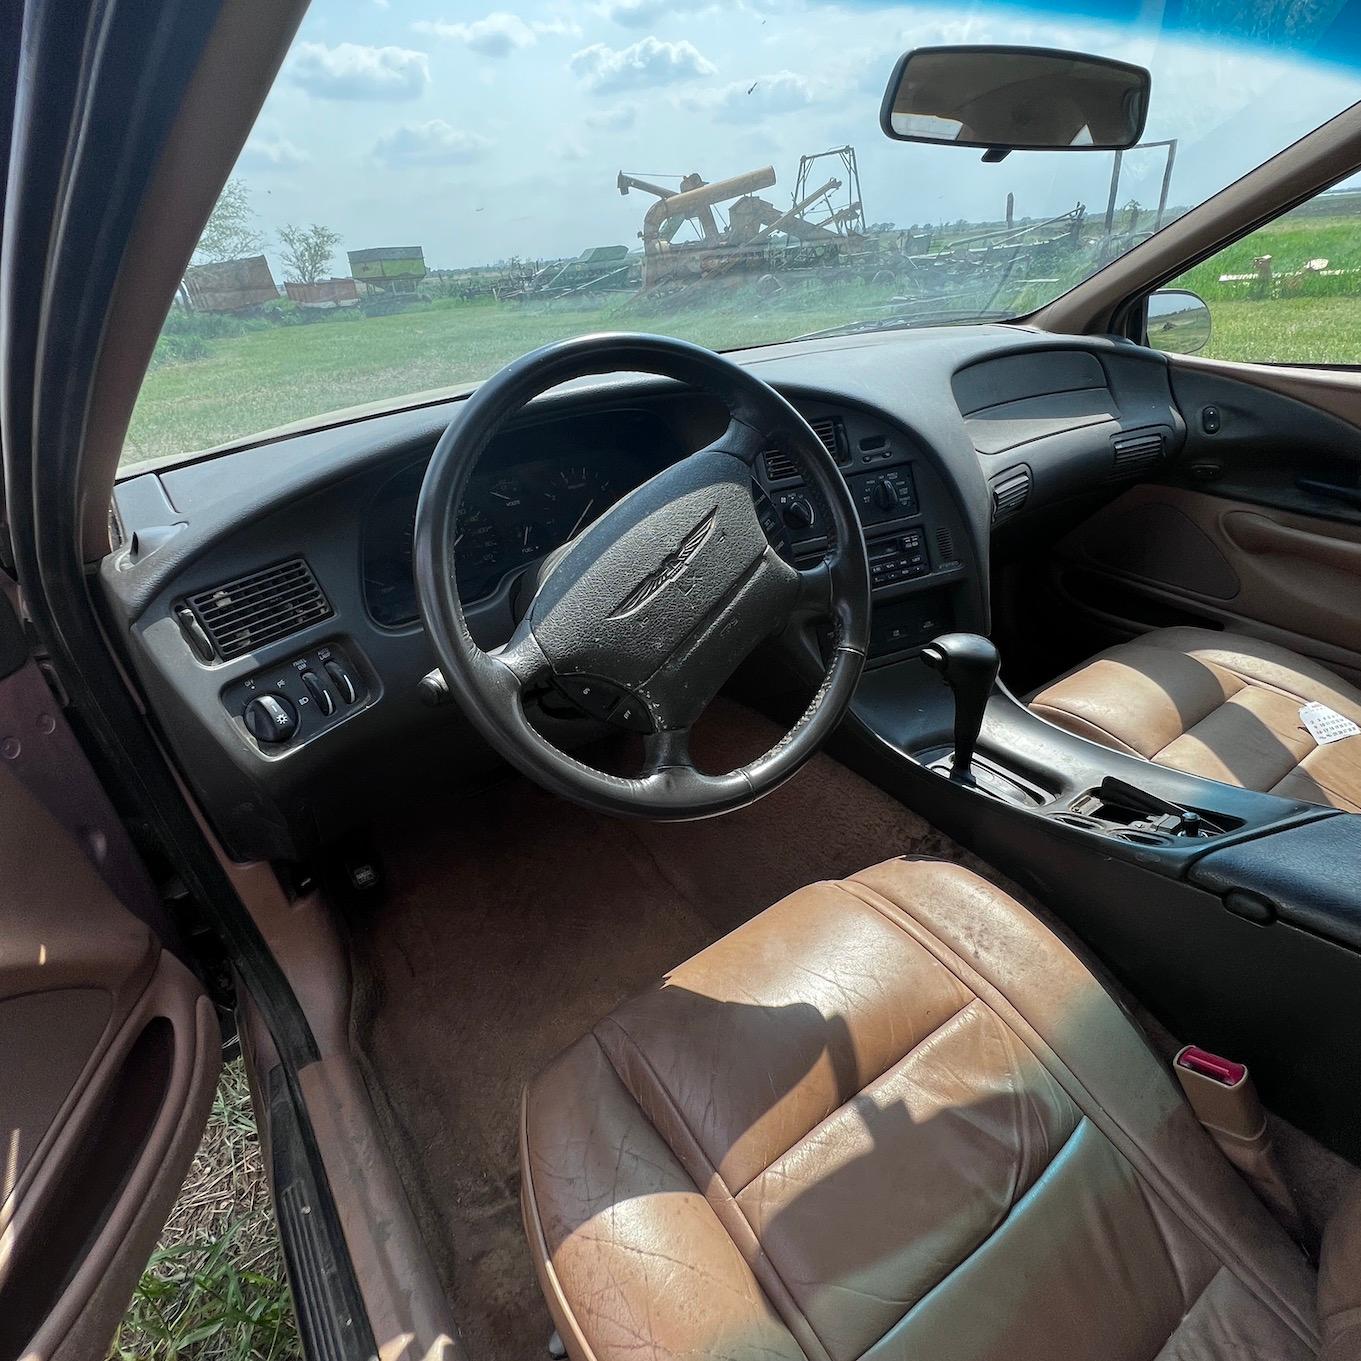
<point>307,251</point>
<point>230,233</point>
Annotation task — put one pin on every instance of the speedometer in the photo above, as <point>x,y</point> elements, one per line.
<point>574,495</point>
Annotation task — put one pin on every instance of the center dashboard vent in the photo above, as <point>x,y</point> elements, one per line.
<point>1136,452</point>
<point>245,614</point>
<point>780,467</point>
<point>1010,491</point>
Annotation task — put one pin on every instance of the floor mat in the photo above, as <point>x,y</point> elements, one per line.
<point>515,921</point>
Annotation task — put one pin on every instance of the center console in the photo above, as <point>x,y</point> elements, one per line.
<point>1232,913</point>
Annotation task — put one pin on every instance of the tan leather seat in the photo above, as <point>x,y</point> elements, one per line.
<point>893,1117</point>
<point>1218,705</point>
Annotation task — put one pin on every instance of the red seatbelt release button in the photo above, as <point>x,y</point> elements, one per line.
<point>1218,1069</point>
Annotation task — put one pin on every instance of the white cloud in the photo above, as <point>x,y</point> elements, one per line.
<point>432,143</point>
<point>746,101</point>
<point>648,63</point>
<point>613,120</point>
<point>272,153</point>
<point>352,71</point>
<point>498,34</point>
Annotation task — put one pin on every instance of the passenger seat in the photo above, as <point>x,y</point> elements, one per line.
<point>1220,705</point>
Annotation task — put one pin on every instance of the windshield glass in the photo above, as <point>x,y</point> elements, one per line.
<point>428,194</point>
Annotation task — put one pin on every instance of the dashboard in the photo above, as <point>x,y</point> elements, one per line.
<point>265,601</point>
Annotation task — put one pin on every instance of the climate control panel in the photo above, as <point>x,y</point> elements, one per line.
<point>288,703</point>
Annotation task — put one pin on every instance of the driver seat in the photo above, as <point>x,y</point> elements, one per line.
<point>896,1117</point>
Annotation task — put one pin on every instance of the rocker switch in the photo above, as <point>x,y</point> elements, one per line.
<point>325,701</point>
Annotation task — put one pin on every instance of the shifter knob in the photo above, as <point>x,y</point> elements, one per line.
<point>968,663</point>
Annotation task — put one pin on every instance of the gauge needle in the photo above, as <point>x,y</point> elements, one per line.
<point>582,516</point>
<point>526,539</point>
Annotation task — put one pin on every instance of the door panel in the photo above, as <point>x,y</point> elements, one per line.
<point>1257,529</point>
<point>1288,578</point>
<point>109,1053</point>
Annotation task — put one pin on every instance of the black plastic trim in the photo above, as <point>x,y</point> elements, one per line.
<point>326,1297</point>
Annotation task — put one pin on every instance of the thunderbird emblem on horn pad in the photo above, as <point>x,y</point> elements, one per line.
<point>668,569</point>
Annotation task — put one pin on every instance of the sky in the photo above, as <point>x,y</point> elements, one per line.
<point>480,132</point>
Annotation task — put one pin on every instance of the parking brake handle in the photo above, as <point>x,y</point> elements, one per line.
<point>968,663</point>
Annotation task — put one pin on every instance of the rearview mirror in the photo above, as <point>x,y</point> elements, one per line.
<point>1015,99</point>
<point>1178,321</point>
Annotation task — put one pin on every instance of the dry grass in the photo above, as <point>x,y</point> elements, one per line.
<point>215,1288</point>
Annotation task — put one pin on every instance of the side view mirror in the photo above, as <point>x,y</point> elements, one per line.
<point>1178,321</point>
<point>1006,99</point>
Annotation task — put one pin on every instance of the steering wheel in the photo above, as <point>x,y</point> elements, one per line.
<point>651,608</point>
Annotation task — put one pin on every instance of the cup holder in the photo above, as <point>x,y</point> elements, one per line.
<point>1135,836</point>
<point>1081,820</point>
<point>1141,838</point>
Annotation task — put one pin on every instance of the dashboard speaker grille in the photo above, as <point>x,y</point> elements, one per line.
<point>262,607</point>
<point>1010,491</point>
<point>780,467</point>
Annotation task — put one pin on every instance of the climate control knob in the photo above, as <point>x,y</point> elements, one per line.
<point>271,719</point>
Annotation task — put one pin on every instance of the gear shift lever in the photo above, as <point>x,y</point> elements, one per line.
<point>968,663</point>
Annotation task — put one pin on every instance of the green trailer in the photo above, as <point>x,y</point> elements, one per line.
<point>391,269</point>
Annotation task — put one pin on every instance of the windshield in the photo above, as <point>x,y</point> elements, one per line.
<point>429,193</point>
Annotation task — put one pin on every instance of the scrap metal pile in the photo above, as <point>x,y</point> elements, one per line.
<point>697,233</point>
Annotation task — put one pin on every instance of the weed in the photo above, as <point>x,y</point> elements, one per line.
<point>214,1290</point>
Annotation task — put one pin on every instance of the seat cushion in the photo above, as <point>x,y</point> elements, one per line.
<point>892,1117</point>
<point>1218,705</point>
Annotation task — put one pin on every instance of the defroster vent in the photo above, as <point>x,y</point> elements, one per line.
<point>251,611</point>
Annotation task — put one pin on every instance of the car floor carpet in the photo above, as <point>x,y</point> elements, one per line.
<point>511,923</point>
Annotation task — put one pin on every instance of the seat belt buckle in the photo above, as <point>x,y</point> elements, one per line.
<point>1225,1101</point>
<point>1225,1072</point>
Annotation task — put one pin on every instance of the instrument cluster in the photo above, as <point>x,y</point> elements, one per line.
<point>520,505</point>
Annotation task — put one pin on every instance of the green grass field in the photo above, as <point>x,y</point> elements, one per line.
<point>267,377</point>
<point>259,378</point>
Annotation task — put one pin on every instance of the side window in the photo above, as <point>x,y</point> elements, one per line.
<point>1289,293</point>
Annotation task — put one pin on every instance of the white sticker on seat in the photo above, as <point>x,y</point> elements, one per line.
<point>1326,725</point>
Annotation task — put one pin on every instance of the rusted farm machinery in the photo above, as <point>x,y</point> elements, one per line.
<point>824,223</point>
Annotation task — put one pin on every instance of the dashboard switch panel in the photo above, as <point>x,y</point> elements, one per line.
<point>282,706</point>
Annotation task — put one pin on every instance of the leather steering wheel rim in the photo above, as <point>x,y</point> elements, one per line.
<point>662,596</point>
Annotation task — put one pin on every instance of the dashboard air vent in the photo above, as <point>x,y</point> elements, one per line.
<point>829,431</point>
<point>1135,453</point>
<point>1010,491</point>
<point>245,614</point>
<point>779,465</point>
<point>945,545</point>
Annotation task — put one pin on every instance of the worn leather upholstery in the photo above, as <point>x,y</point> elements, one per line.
<point>1218,705</point>
<point>892,1117</point>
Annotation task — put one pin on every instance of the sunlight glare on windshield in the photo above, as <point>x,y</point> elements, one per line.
<point>430,191</point>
